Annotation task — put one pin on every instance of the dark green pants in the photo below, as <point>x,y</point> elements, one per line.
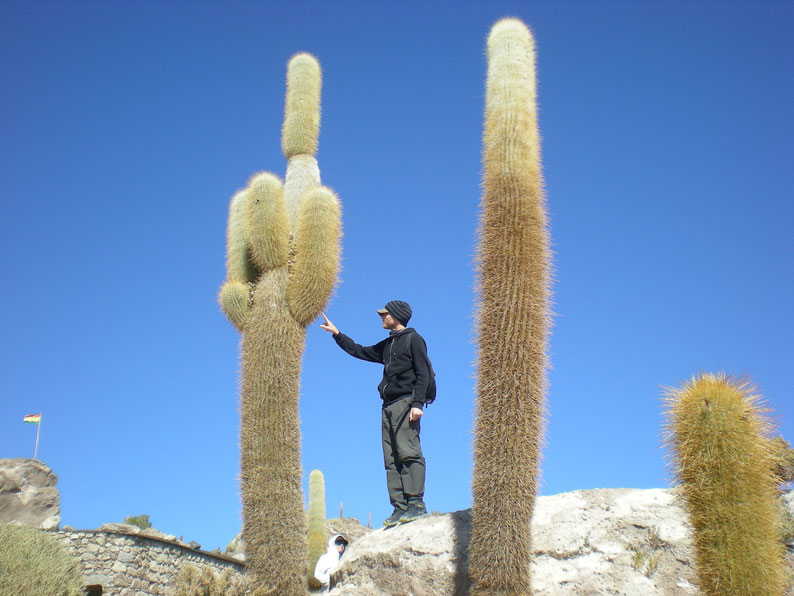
<point>402,455</point>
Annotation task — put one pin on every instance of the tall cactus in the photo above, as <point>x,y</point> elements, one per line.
<point>282,262</point>
<point>717,433</point>
<point>318,530</point>
<point>513,319</point>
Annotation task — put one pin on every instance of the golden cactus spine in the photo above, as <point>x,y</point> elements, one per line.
<point>318,531</point>
<point>282,262</point>
<point>513,319</point>
<point>717,433</point>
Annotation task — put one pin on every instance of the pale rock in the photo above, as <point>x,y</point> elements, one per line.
<point>587,542</point>
<point>118,527</point>
<point>28,495</point>
<point>117,567</point>
<point>349,527</point>
<point>236,547</point>
<point>98,579</point>
<point>155,533</point>
<point>125,556</point>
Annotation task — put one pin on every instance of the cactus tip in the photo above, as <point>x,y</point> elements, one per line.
<point>265,179</point>
<point>303,60</point>
<point>510,28</point>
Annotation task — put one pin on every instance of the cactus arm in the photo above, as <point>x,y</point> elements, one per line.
<point>300,132</point>
<point>235,303</point>
<point>268,232</point>
<point>239,266</point>
<point>316,255</point>
<point>303,175</point>
<point>301,128</point>
<point>240,269</point>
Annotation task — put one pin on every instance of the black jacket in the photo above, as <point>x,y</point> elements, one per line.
<point>406,368</point>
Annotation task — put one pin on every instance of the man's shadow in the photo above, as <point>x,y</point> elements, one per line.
<point>461,523</point>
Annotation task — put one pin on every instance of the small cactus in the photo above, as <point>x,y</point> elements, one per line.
<point>318,530</point>
<point>717,433</point>
<point>282,259</point>
<point>513,319</point>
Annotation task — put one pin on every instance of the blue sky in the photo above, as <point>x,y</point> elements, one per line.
<point>127,126</point>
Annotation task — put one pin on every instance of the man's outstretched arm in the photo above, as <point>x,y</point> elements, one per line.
<point>368,353</point>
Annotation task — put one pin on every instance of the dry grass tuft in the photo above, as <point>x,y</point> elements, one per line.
<point>203,581</point>
<point>33,562</point>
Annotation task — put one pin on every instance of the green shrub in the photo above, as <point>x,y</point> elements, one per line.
<point>195,581</point>
<point>142,521</point>
<point>33,562</point>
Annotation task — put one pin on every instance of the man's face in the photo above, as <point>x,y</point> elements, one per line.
<point>388,321</point>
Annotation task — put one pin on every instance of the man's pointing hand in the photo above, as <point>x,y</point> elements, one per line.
<point>328,325</point>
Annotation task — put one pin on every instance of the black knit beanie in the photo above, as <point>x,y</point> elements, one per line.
<point>399,309</point>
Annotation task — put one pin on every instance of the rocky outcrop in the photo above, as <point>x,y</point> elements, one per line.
<point>600,541</point>
<point>349,527</point>
<point>28,495</point>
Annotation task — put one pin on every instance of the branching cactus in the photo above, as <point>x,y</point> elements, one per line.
<point>717,434</point>
<point>318,531</point>
<point>513,319</point>
<point>282,262</point>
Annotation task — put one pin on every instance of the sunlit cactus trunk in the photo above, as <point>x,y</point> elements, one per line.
<point>717,433</point>
<point>513,320</point>
<point>282,262</point>
<point>318,530</point>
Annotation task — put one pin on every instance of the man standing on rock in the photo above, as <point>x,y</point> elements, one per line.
<point>406,386</point>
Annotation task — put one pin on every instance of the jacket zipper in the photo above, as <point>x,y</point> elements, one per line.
<point>391,355</point>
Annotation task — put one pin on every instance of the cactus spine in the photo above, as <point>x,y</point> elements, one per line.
<point>717,434</point>
<point>318,531</point>
<point>513,319</point>
<point>282,262</point>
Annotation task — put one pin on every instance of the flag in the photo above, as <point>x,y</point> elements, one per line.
<point>32,418</point>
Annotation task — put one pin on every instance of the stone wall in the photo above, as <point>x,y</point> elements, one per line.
<point>135,564</point>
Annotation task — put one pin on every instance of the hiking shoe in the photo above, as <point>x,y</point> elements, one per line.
<point>413,512</point>
<point>394,518</point>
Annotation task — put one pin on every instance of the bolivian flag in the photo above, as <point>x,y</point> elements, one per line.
<point>32,418</point>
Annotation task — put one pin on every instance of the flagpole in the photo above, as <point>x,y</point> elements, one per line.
<point>38,428</point>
